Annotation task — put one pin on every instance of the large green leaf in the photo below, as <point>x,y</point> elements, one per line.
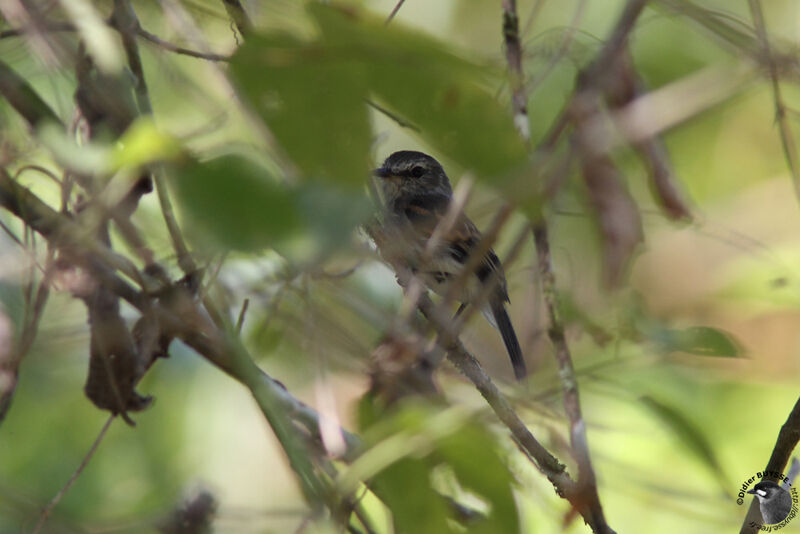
<point>235,204</point>
<point>412,440</point>
<point>416,508</point>
<point>312,98</point>
<point>421,80</point>
<point>700,340</point>
<point>473,455</point>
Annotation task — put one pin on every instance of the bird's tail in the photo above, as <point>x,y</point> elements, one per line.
<point>509,338</point>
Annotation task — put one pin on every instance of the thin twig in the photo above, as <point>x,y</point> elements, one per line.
<point>586,499</point>
<point>478,253</point>
<point>11,234</point>
<point>519,99</point>
<point>55,500</point>
<point>58,229</point>
<point>240,320</point>
<point>591,508</point>
<point>414,286</point>
<point>537,7</point>
<point>399,120</point>
<point>469,366</point>
<point>171,47</point>
<point>787,139</point>
<point>34,311</point>
<point>39,169</point>
<point>394,11</point>
<point>50,27</point>
<point>563,48</point>
<point>141,32</point>
<point>183,22</point>
<point>127,23</point>
<point>239,16</point>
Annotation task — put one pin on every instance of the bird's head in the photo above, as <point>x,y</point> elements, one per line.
<point>409,173</point>
<point>765,490</point>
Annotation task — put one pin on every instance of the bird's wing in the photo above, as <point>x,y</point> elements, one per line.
<point>424,213</point>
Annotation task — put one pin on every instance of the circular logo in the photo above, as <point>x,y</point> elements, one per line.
<point>777,501</point>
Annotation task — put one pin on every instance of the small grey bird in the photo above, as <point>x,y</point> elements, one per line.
<point>417,193</point>
<point>774,501</point>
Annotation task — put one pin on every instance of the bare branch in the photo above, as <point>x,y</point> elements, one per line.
<point>394,11</point>
<point>468,364</point>
<point>585,498</point>
<point>24,99</point>
<point>399,120</point>
<point>239,15</point>
<point>127,23</point>
<point>141,32</point>
<point>59,229</point>
<point>787,138</point>
<point>242,312</point>
<point>588,501</point>
<point>9,368</point>
<point>171,47</point>
<point>60,495</point>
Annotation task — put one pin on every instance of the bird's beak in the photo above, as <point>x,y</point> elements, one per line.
<point>381,172</point>
<point>751,491</point>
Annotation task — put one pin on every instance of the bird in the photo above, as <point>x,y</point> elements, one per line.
<point>417,195</point>
<point>775,502</point>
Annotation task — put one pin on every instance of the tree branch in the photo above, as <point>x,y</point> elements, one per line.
<point>588,501</point>
<point>394,11</point>
<point>171,47</point>
<point>127,23</point>
<point>239,15</point>
<point>787,139</point>
<point>177,316</point>
<point>585,497</point>
<point>60,495</point>
<point>24,99</point>
<point>471,368</point>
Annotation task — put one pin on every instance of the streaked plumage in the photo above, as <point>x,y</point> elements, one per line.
<point>418,194</point>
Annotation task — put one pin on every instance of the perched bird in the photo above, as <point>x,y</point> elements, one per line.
<point>417,194</point>
<point>775,502</point>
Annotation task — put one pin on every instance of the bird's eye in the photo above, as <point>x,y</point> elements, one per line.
<point>417,171</point>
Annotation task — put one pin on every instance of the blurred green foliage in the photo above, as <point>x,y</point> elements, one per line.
<point>655,390</point>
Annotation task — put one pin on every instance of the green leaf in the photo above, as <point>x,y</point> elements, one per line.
<point>143,143</point>
<point>236,204</point>
<point>330,215</point>
<point>473,455</point>
<point>420,79</point>
<point>691,435</point>
<point>701,340</point>
<point>414,435</point>
<point>312,98</point>
<point>405,487</point>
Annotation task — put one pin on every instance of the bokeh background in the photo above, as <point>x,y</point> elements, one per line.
<point>673,432</point>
